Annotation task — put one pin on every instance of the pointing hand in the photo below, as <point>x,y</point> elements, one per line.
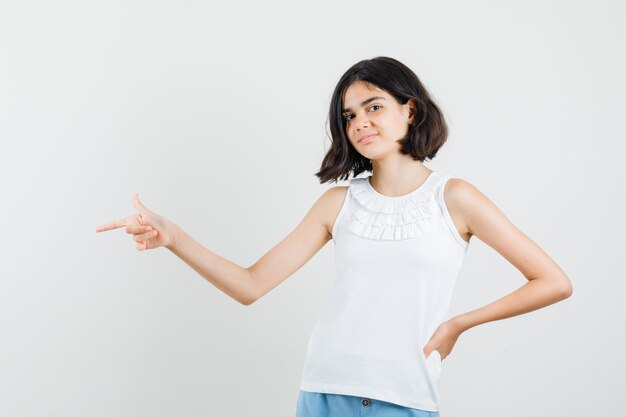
<point>149,230</point>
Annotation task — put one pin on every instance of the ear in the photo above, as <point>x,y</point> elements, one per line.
<point>412,110</point>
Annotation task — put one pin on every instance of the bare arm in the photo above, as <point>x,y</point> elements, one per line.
<point>227,276</point>
<point>547,282</point>
<point>247,285</point>
<point>299,246</point>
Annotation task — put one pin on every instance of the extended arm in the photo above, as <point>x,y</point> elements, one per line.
<point>227,276</point>
<point>246,285</point>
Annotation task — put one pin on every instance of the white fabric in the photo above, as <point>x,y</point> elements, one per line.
<point>397,260</point>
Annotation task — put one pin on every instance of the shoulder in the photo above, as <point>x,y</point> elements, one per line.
<point>333,198</point>
<point>459,191</point>
<point>330,203</point>
<point>467,204</point>
<point>463,200</point>
<point>323,211</point>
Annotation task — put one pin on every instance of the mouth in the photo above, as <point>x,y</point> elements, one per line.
<point>366,138</point>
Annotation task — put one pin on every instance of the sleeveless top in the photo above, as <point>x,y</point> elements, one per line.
<point>397,260</point>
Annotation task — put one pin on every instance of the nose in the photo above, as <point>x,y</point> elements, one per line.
<point>361,122</point>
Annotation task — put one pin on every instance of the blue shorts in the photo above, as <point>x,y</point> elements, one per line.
<point>316,404</point>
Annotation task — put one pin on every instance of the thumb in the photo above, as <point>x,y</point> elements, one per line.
<point>138,205</point>
<point>427,349</point>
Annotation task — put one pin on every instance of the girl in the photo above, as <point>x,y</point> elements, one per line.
<point>400,235</point>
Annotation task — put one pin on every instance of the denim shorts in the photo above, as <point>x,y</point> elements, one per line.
<point>316,404</point>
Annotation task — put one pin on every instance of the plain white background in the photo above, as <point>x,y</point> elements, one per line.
<point>215,114</point>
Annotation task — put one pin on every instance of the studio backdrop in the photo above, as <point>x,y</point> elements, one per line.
<point>215,114</point>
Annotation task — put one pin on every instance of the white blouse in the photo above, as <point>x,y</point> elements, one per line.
<point>397,260</point>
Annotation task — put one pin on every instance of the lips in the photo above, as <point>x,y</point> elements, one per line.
<point>366,136</point>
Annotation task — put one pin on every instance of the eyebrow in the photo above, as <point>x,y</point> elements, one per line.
<point>363,103</point>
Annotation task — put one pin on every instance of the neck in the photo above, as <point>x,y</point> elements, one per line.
<point>398,175</point>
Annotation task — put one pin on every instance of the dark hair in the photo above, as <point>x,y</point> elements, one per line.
<point>426,134</point>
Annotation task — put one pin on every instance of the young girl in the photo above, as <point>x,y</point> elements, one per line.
<point>400,235</point>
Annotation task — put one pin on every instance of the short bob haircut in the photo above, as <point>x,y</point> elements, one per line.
<point>425,136</point>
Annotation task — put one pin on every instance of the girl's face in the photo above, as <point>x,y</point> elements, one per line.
<point>374,119</point>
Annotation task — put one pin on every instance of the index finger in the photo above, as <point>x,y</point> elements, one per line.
<point>112,225</point>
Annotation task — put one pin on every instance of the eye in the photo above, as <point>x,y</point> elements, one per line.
<point>347,117</point>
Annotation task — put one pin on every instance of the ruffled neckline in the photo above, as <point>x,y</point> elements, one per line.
<point>382,217</point>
